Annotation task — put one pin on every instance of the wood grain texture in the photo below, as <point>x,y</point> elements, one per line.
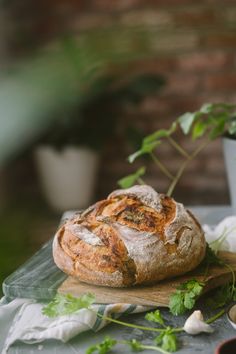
<point>155,295</point>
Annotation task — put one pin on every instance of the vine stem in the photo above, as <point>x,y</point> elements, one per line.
<point>162,167</point>
<point>153,329</point>
<point>143,347</point>
<point>215,317</point>
<point>141,181</point>
<point>233,277</point>
<point>157,349</point>
<point>178,147</point>
<point>183,167</point>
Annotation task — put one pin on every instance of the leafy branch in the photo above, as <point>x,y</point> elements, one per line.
<point>186,295</point>
<point>184,298</point>
<point>165,343</point>
<point>211,121</point>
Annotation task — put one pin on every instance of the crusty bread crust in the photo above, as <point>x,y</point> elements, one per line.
<point>135,236</point>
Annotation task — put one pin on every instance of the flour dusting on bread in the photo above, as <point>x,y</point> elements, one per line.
<point>135,236</point>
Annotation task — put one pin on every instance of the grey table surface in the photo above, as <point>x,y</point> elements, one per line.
<point>203,343</point>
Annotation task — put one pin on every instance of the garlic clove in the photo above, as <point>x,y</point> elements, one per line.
<point>195,324</point>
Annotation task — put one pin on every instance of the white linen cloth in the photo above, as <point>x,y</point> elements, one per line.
<point>22,319</point>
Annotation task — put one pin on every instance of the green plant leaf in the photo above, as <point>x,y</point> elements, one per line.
<point>189,300</point>
<point>185,121</point>
<point>103,347</point>
<point>130,180</point>
<point>146,148</point>
<point>167,340</point>
<point>216,107</point>
<point>232,127</point>
<point>184,298</point>
<point>199,129</point>
<point>155,317</point>
<point>210,253</point>
<point>217,131</point>
<point>135,345</point>
<point>221,297</point>
<point>207,108</point>
<point>150,142</point>
<point>159,134</point>
<point>176,303</point>
<point>194,286</point>
<point>67,304</point>
<point>162,133</point>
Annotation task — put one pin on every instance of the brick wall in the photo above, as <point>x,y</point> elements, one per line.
<point>193,48</point>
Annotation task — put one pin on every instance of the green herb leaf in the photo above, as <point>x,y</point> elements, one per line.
<point>155,317</point>
<point>167,340</point>
<point>176,303</point>
<point>130,180</point>
<point>103,347</point>
<point>184,298</point>
<point>193,286</point>
<point>189,300</point>
<point>210,255</point>
<point>221,297</point>
<point>67,304</point>
<point>135,345</point>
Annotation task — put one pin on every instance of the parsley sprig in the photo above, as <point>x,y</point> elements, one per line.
<point>103,347</point>
<point>108,343</point>
<point>186,295</point>
<point>165,343</point>
<point>184,298</point>
<point>67,304</point>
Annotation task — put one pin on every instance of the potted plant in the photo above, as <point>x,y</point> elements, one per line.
<point>208,123</point>
<point>67,156</point>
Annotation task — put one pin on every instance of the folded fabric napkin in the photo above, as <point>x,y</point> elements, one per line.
<point>36,328</point>
<point>18,323</point>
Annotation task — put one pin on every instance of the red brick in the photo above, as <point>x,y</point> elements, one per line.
<point>195,17</point>
<point>111,5</point>
<point>216,96</point>
<point>159,65</point>
<point>90,21</point>
<point>221,82</point>
<point>220,40</point>
<point>182,84</point>
<point>173,42</point>
<point>180,105</point>
<point>115,5</point>
<point>146,17</point>
<point>229,15</point>
<point>210,61</point>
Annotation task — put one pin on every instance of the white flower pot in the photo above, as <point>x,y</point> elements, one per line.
<point>67,176</point>
<point>229,147</point>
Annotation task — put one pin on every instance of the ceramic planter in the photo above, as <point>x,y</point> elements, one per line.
<point>229,147</point>
<point>67,177</point>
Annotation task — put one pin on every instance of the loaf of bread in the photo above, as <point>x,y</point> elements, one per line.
<point>135,236</point>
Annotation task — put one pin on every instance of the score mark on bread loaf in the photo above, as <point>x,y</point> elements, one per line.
<point>134,237</point>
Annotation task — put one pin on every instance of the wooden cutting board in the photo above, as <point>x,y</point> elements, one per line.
<point>158,294</point>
